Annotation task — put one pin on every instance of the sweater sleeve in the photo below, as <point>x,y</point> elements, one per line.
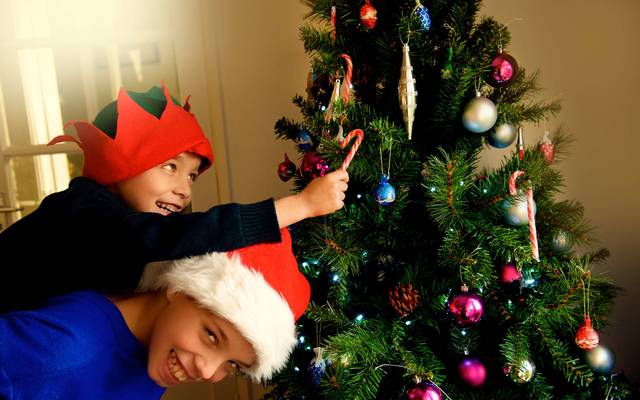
<point>155,237</point>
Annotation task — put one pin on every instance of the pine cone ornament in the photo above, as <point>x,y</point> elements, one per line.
<point>404,299</point>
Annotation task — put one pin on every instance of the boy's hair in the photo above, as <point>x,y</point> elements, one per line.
<point>137,132</point>
<point>259,289</point>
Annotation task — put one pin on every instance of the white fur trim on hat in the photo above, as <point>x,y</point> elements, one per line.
<point>240,295</point>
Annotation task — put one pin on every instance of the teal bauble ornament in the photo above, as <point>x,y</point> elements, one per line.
<point>601,359</point>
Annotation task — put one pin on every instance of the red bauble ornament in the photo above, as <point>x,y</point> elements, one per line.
<point>472,371</point>
<point>404,299</point>
<point>547,148</point>
<point>286,169</point>
<point>368,15</point>
<point>509,273</point>
<point>504,69</point>
<point>313,166</point>
<point>587,338</point>
<point>466,308</point>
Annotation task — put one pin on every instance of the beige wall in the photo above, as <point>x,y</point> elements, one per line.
<point>585,51</point>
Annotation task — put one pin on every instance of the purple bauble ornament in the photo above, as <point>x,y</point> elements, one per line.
<point>313,166</point>
<point>286,169</point>
<point>472,371</point>
<point>466,308</point>
<point>424,391</point>
<point>504,69</point>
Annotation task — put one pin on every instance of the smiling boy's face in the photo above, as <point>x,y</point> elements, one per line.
<point>190,343</point>
<point>163,189</point>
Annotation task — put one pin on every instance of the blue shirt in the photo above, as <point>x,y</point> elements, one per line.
<point>77,346</point>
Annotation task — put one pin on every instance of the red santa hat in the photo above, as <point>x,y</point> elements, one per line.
<point>142,140</point>
<point>259,289</point>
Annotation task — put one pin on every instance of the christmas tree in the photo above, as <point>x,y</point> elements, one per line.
<point>437,279</point>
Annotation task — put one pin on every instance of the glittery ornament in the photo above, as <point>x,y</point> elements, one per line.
<point>504,69</point>
<point>384,193</point>
<point>547,148</point>
<point>561,242</point>
<point>424,391</point>
<point>480,114</point>
<point>286,169</point>
<point>514,210</point>
<point>521,373</point>
<point>423,14</point>
<point>313,166</point>
<point>404,299</point>
<point>587,338</point>
<point>601,359</point>
<point>317,367</point>
<point>303,140</point>
<point>472,371</point>
<point>502,135</point>
<point>407,93</point>
<point>509,273</point>
<point>368,15</point>
<point>447,70</point>
<point>466,308</point>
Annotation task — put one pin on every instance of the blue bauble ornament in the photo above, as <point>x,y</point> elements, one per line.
<point>304,141</point>
<point>317,367</point>
<point>384,194</point>
<point>425,19</point>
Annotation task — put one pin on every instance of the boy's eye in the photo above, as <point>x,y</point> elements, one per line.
<point>169,167</point>
<point>212,336</point>
<point>193,177</point>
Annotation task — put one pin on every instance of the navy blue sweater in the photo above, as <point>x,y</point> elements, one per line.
<point>86,238</point>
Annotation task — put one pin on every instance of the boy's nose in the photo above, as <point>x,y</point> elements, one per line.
<point>213,370</point>
<point>183,189</point>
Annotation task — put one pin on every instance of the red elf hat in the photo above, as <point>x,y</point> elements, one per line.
<point>142,140</point>
<point>259,289</point>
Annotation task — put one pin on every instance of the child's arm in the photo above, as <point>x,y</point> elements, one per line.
<point>322,196</point>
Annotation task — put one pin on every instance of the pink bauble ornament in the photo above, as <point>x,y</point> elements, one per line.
<point>286,169</point>
<point>504,69</point>
<point>472,371</point>
<point>368,15</point>
<point>509,273</point>
<point>313,166</point>
<point>466,308</point>
<point>587,338</point>
<point>424,391</point>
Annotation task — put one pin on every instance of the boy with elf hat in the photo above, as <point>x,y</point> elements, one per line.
<point>141,156</point>
<point>196,319</point>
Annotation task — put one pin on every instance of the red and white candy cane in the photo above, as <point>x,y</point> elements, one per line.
<point>347,77</point>
<point>359,135</point>
<point>533,234</point>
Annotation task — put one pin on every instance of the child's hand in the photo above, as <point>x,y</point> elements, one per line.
<point>322,196</point>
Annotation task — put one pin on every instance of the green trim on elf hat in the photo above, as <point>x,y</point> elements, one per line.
<point>149,130</point>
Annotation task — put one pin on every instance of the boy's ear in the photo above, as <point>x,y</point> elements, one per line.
<point>171,294</point>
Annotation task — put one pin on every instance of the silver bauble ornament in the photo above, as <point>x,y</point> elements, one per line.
<point>561,242</point>
<point>522,373</point>
<point>502,135</point>
<point>600,359</point>
<point>514,210</point>
<point>480,114</point>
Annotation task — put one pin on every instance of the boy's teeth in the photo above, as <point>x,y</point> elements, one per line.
<point>176,370</point>
<point>167,207</point>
